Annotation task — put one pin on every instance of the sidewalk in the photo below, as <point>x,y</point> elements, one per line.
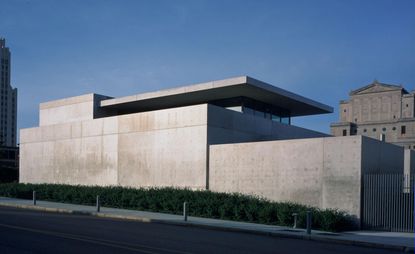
<point>388,240</point>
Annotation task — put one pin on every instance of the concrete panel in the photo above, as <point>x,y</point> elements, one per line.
<point>67,101</point>
<point>284,131</point>
<point>272,169</point>
<point>87,161</point>
<point>341,176</point>
<point>66,165</point>
<point>73,109</point>
<point>322,172</point>
<point>55,132</point>
<point>110,125</point>
<point>163,119</point>
<point>93,128</point>
<point>160,148</point>
<point>236,121</point>
<point>30,135</point>
<point>68,113</point>
<point>169,157</point>
<point>76,130</point>
<point>38,162</point>
<point>378,156</point>
<point>227,126</point>
<point>217,135</point>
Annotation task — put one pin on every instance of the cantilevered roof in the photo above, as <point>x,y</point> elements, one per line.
<point>216,90</point>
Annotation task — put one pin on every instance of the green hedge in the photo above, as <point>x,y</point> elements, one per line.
<point>170,200</point>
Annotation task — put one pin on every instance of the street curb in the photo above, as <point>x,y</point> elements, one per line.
<point>221,228</point>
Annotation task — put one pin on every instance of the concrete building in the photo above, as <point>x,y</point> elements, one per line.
<point>8,99</point>
<point>232,135</point>
<point>378,109</point>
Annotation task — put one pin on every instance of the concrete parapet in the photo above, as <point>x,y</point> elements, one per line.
<point>73,109</point>
<point>321,172</point>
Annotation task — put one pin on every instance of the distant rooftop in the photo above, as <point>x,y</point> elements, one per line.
<point>243,86</point>
<point>387,87</point>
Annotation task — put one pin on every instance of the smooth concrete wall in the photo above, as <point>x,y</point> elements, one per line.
<point>321,172</point>
<point>72,109</point>
<point>69,153</point>
<point>228,126</point>
<point>156,148</point>
<point>341,173</point>
<point>409,163</point>
<point>163,148</point>
<point>378,156</point>
<point>149,149</point>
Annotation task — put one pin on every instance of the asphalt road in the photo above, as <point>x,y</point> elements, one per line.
<point>26,231</point>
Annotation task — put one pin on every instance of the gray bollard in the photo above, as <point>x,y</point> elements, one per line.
<point>308,222</point>
<point>185,211</point>
<point>98,204</point>
<point>34,197</point>
<point>295,219</point>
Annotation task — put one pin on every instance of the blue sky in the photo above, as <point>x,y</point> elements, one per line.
<point>318,49</point>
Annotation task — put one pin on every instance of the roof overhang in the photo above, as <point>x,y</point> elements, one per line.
<point>216,90</point>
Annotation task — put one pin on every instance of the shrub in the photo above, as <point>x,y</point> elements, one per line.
<point>170,200</point>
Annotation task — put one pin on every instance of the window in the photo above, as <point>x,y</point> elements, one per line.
<point>344,110</point>
<point>364,130</point>
<point>344,132</point>
<point>407,105</point>
<point>383,129</point>
<point>252,107</point>
<point>275,118</point>
<point>394,128</point>
<point>403,129</point>
<point>286,120</point>
<point>374,129</point>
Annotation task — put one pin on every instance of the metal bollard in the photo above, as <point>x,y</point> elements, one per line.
<point>295,219</point>
<point>308,222</point>
<point>34,197</point>
<point>185,211</point>
<point>98,204</point>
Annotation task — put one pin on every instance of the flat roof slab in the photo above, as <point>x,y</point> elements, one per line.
<point>215,90</point>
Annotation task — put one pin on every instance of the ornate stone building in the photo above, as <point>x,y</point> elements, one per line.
<point>378,109</point>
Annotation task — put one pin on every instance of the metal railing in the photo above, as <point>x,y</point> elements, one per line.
<point>388,202</point>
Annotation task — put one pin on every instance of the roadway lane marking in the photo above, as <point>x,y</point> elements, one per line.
<point>109,243</point>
